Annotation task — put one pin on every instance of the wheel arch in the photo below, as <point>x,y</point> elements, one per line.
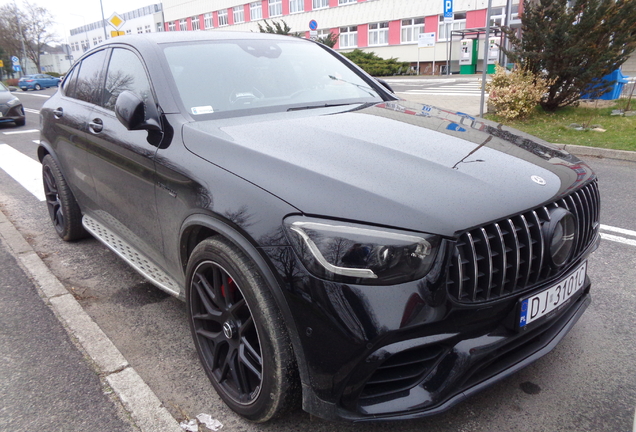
<point>198,227</point>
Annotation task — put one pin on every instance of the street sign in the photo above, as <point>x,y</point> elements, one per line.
<point>1,64</point>
<point>15,60</point>
<point>115,33</point>
<point>426,40</point>
<point>17,68</point>
<point>448,10</point>
<point>116,21</point>
<point>313,25</point>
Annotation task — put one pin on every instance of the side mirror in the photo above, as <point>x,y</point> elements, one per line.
<point>134,114</point>
<point>385,84</point>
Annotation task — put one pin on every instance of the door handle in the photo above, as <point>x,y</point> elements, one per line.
<point>96,125</point>
<point>58,112</point>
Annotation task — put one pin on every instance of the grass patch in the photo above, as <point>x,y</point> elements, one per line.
<point>553,127</point>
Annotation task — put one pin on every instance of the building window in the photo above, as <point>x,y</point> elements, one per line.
<point>379,33</point>
<point>239,14</point>
<point>147,28</point>
<point>348,37</point>
<point>159,27</point>
<point>256,11</point>
<point>128,31</point>
<point>296,6</point>
<point>223,17</point>
<point>140,30</point>
<point>94,41</point>
<point>445,28</point>
<point>208,21</point>
<point>99,39</point>
<point>411,29</point>
<point>344,2</point>
<point>196,24</point>
<point>275,8</point>
<point>183,25</point>
<point>172,26</point>
<point>319,4</point>
<point>497,17</point>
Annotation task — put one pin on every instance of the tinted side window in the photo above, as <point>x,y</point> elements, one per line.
<point>125,72</point>
<point>90,81</point>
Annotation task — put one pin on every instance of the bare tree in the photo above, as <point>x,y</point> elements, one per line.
<point>30,23</point>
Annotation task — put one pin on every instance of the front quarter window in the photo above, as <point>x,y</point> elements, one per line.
<point>125,72</point>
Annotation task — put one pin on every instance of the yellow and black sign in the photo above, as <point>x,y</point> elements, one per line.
<point>114,33</point>
<point>1,64</point>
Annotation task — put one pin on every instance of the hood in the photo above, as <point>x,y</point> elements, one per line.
<point>395,164</point>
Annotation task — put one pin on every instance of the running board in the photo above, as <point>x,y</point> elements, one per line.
<point>132,256</point>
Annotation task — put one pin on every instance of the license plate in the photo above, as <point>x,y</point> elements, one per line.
<point>551,299</point>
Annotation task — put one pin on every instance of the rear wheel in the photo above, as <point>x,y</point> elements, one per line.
<point>63,209</point>
<point>37,87</point>
<point>239,334</point>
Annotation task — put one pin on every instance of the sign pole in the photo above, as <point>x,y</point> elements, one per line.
<point>485,64</point>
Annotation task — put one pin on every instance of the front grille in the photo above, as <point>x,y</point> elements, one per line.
<point>508,256</point>
<point>401,372</point>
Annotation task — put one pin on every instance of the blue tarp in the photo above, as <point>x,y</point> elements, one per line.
<point>617,79</point>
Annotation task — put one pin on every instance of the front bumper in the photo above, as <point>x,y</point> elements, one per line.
<point>13,113</point>
<point>408,351</point>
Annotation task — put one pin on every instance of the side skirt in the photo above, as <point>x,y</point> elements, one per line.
<point>132,256</point>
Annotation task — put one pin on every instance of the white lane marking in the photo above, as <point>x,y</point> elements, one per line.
<point>32,111</point>
<point>36,141</point>
<point>431,93</point>
<point>36,95</point>
<point>21,132</point>
<point>618,239</point>
<point>618,230</point>
<point>23,169</point>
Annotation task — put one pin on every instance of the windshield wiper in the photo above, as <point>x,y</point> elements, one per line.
<point>366,89</point>
<point>320,106</point>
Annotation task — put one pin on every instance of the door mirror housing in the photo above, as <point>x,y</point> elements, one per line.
<point>134,114</point>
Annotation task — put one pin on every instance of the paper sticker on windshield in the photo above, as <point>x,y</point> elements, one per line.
<point>202,110</point>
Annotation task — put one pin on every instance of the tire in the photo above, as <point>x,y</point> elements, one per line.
<point>24,89</point>
<point>63,209</point>
<point>37,87</point>
<point>239,333</point>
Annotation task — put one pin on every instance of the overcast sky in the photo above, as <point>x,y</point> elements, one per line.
<point>69,14</point>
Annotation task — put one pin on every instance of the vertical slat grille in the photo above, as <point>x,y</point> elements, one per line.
<point>508,256</point>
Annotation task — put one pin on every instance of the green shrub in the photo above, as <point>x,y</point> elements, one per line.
<point>514,95</point>
<point>54,74</point>
<point>375,65</point>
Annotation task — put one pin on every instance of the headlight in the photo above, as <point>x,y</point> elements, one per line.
<point>13,102</point>
<point>353,253</point>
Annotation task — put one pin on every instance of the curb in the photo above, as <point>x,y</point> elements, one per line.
<point>136,396</point>
<point>598,152</point>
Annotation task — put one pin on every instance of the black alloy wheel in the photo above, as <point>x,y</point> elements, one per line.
<point>248,359</point>
<point>63,209</point>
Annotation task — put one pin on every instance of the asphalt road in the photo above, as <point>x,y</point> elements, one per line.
<point>588,383</point>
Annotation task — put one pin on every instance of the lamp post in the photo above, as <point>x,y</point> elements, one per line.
<point>101,6</point>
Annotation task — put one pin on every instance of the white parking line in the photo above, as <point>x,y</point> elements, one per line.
<point>618,230</point>
<point>21,132</point>
<point>32,111</point>
<point>23,169</point>
<point>618,239</point>
<point>36,95</point>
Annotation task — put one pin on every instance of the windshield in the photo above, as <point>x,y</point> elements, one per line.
<point>3,88</point>
<point>229,76</point>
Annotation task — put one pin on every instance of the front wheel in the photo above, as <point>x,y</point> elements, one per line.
<point>37,87</point>
<point>63,209</point>
<point>239,333</point>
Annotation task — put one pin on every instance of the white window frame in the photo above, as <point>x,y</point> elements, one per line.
<point>344,2</point>
<point>409,33</point>
<point>172,26</point>
<point>458,23</point>
<point>497,16</point>
<point>147,28</point>
<point>296,6</point>
<point>275,8</point>
<point>319,4</point>
<point>183,25</point>
<point>379,33</point>
<point>238,13</point>
<point>140,30</point>
<point>208,20</point>
<point>160,27</point>
<point>348,37</point>
<point>256,11</point>
<point>222,17</point>
<point>196,24</point>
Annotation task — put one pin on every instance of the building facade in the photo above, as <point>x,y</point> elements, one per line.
<point>390,28</point>
<point>147,19</point>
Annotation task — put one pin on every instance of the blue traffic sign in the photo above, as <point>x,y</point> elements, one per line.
<point>448,10</point>
<point>17,68</point>
<point>15,60</point>
<point>313,25</point>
